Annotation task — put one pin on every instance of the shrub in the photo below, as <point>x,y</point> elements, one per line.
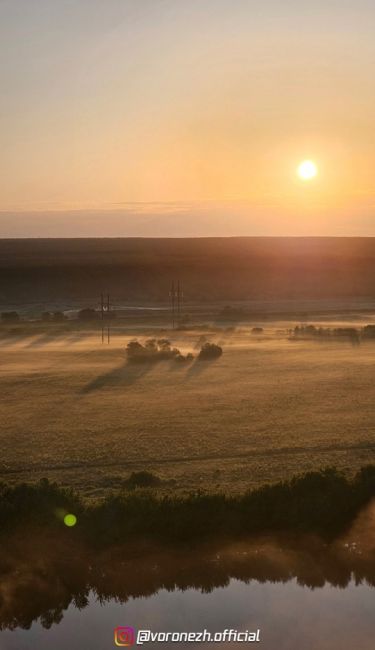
<point>210,351</point>
<point>349,333</point>
<point>41,503</point>
<point>368,332</point>
<point>153,350</point>
<point>142,479</point>
<point>229,313</point>
<point>58,317</point>
<point>10,317</point>
<point>324,502</point>
<point>87,314</point>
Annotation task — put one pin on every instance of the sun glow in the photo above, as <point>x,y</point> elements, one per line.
<point>307,170</point>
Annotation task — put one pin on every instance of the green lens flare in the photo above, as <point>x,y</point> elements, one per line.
<point>70,520</point>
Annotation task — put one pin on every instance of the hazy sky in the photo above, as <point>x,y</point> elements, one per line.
<point>184,117</point>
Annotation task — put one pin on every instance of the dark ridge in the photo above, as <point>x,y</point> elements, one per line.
<point>239,268</point>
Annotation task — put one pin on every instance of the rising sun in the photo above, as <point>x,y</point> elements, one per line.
<point>307,170</point>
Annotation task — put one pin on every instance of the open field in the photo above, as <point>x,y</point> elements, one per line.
<point>75,411</point>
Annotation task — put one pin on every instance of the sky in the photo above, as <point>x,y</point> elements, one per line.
<point>186,117</point>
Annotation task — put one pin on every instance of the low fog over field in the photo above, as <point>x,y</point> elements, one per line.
<point>79,412</point>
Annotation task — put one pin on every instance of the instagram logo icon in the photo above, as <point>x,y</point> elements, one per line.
<point>124,636</point>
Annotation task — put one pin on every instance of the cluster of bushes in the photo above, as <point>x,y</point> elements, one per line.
<point>53,317</point>
<point>43,503</point>
<point>368,332</point>
<point>10,317</point>
<point>154,350</point>
<point>324,502</point>
<point>351,333</point>
<point>46,317</point>
<point>89,314</point>
<point>86,314</point>
<point>229,313</point>
<point>142,480</point>
<point>209,351</point>
<point>161,350</point>
<point>326,332</point>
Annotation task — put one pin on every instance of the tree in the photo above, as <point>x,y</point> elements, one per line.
<point>87,314</point>
<point>210,351</point>
<point>58,317</point>
<point>10,317</point>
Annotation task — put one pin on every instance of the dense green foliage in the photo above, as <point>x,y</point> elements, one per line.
<point>320,502</point>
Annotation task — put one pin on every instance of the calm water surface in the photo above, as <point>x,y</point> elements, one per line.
<point>289,616</point>
<point>303,593</point>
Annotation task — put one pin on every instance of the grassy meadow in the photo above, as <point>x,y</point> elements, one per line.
<point>79,413</point>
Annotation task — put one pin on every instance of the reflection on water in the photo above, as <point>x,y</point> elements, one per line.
<point>59,594</point>
<point>291,617</point>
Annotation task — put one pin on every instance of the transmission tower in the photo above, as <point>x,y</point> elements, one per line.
<point>176,296</point>
<point>105,308</point>
<point>172,296</point>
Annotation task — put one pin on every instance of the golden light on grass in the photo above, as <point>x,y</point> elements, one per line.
<point>307,170</point>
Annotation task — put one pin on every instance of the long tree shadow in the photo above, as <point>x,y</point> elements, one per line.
<point>124,375</point>
<point>28,338</point>
<point>77,337</point>
<point>43,339</point>
<point>198,367</point>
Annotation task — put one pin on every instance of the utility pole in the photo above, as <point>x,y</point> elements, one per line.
<point>172,295</point>
<point>105,308</point>
<point>102,314</point>
<point>180,296</point>
<point>109,319</point>
<point>176,296</point>
<point>178,301</point>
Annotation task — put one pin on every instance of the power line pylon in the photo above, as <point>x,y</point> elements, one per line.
<point>180,296</point>
<point>176,296</point>
<point>172,296</point>
<point>105,309</point>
